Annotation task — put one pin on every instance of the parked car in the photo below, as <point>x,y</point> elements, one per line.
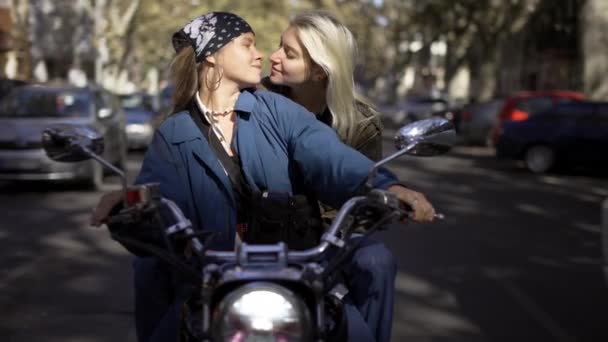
<point>417,108</point>
<point>26,111</point>
<point>6,85</point>
<point>519,106</point>
<point>476,121</point>
<point>141,114</point>
<point>570,134</point>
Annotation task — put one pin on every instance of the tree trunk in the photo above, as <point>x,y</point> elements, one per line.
<point>594,46</point>
<point>484,69</point>
<point>453,62</point>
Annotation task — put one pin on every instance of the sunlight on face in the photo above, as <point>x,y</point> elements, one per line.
<point>289,63</point>
<point>241,62</point>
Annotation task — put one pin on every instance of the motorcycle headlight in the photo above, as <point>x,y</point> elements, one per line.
<point>261,312</point>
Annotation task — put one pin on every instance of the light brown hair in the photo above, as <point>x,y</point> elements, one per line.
<point>185,76</point>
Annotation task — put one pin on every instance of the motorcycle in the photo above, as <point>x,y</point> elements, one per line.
<point>257,292</point>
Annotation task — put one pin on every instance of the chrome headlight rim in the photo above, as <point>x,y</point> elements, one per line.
<point>223,312</point>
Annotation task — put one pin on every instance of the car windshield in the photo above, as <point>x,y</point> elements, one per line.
<point>40,102</point>
<point>571,110</point>
<point>533,106</point>
<point>134,102</point>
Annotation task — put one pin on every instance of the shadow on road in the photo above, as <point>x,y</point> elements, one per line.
<point>60,279</point>
<point>518,257</point>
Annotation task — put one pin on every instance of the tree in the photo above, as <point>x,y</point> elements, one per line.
<point>112,36</point>
<point>56,30</point>
<point>595,44</point>
<point>157,20</point>
<point>380,31</point>
<point>475,32</point>
<point>20,36</point>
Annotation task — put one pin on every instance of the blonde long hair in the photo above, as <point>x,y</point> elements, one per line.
<point>332,46</point>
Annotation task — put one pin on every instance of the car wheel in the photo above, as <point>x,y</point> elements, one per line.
<point>539,158</point>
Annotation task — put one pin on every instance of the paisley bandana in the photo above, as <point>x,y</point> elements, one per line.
<point>209,33</point>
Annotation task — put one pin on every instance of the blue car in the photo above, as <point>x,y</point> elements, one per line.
<point>568,134</point>
<point>140,119</point>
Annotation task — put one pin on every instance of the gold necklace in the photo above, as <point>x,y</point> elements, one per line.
<point>219,113</point>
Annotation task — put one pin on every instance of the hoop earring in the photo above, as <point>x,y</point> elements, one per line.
<point>216,84</point>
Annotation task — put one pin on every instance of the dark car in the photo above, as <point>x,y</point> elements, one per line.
<point>26,111</point>
<point>141,114</point>
<point>518,106</point>
<point>7,85</point>
<point>570,134</point>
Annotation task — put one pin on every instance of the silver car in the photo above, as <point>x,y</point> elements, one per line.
<point>415,109</point>
<point>140,119</point>
<point>477,120</point>
<point>26,111</point>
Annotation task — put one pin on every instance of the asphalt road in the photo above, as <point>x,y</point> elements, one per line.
<point>516,259</point>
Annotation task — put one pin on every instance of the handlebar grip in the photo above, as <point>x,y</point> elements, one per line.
<point>407,208</point>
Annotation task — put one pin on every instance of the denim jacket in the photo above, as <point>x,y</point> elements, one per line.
<point>273,137</point>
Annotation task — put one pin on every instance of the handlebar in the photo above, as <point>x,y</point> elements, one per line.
<point>428,137</point>
<point>377,197</point>
<point>374,198</point>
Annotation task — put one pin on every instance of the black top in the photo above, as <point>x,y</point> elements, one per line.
<point>232,164</point>
<point>325,117</point>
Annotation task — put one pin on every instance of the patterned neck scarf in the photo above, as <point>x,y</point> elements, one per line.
<point>209,33</point>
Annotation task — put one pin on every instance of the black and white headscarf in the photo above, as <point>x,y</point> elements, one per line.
<point>209,33</point>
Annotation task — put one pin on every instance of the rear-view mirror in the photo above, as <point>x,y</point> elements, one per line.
<point>71,143</point>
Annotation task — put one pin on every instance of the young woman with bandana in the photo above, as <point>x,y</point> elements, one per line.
<point>215,68</point>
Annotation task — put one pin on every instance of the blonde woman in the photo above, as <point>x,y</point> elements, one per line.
<point>314,67</point>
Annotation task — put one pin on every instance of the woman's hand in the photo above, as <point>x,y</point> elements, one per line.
<point>423,209</point>
<point>105,205</point>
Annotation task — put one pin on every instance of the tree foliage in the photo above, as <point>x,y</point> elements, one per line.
<point>133,37</point>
